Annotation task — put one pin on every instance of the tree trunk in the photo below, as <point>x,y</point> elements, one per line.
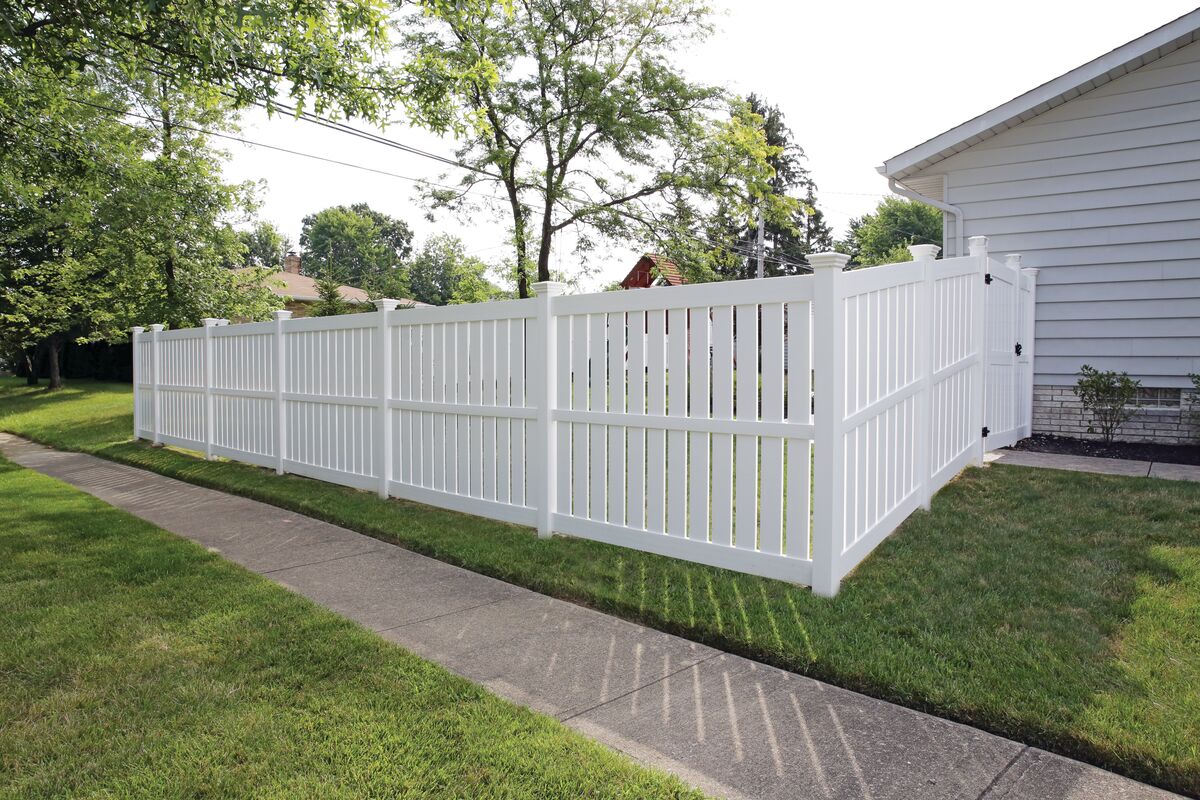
<point>54,347</point>
<point>543,265</point>
<point>520,237</point>
<point>31,377</point>
<point>169,262</point>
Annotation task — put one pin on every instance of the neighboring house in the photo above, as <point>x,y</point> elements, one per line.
<point>299,292</point>
<point>653,270</point>
<point>1094,178</point>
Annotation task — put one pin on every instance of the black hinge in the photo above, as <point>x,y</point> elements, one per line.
<point>985,431</point>
<point>1018,348</point>
<point>987,278</point>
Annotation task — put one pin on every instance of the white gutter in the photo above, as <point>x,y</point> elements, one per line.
<point>904,191</point>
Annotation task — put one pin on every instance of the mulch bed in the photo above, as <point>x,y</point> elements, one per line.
<point>1137,451</point>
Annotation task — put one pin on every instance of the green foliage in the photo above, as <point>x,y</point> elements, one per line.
<point>585,121</point>
<point>358,246</point>
<point>718,240</point>
<point>265,246</point>
<point>1108,396</point>
<point>441,273</point>
<point>883,237</point>
<point>329,299</point>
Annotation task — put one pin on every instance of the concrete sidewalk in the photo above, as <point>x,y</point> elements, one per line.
<point>733,727</point>
<point>1100,466</point>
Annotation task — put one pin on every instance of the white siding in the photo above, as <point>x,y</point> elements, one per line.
<point>1103,194</point>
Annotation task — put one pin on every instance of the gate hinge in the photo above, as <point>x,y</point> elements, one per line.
<point>1018,348</point>
<point>985,431</point>
<point>987,278</point>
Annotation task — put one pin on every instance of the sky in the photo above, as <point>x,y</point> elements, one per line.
<point>858,82</point>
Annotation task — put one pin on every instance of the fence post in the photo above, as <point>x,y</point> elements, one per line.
<point>135,346</point>
<point>1027,346</point>
<point>829,381</point>
<point>280,375</point>
<point>977,245</point>
<point>209,323</point>
<point>543,465</point>
<point>156,403</point>
<point>383,390</point>
<point>925,254</point>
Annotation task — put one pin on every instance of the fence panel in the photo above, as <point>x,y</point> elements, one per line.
<point>677,420</point>
<point>684,421</point>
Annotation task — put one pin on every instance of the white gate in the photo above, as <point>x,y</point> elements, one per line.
<point>1008,353</point>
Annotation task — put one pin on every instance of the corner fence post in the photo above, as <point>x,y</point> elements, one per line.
<point>279,378</point>
<point>135,347</point>
<point>155,330</point>
<point>978,248</point>
<point>924,254</point>
<point>829,381</point>
<point>383,390</point>
<point>543,466</point>
<point>209,323</point>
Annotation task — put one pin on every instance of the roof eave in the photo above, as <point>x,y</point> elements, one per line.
<point>1125,58</point>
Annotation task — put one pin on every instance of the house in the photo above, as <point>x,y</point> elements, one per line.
<point>299,292</point>
<point>653,270</point>
<point>1094,178</point>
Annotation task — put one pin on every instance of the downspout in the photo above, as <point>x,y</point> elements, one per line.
<point>904,191</point>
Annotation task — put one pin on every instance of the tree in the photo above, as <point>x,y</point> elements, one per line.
<point>330,302</point>
<point>442,273</point>
<point>883,237</point>
<point>585,122</point>
<point>793,227</point>
<point>357,245</point>
<point>103,223</point>
<point>265,246</point>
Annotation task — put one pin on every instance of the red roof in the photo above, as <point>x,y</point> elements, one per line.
<point>653,270</point>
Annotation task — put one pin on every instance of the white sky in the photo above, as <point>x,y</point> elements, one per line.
<point>858,82</point>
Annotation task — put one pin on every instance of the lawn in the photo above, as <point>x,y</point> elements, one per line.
<point>135,664</point>
<point>1059,609</point>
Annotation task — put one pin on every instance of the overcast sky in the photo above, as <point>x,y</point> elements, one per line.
<point>857,81</point>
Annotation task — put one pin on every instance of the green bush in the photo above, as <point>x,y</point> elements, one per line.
<point>1107,395</point>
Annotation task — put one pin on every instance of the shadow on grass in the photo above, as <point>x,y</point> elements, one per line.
<point>1055,608</point>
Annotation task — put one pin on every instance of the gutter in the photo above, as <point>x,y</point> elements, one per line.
<point>957,212</point>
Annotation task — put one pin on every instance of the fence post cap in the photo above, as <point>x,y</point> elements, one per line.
<point>1013,260</point>
<point>977,245</point>
<point>548,288</point>
<point>1031,271</point>
<point>156,327</point>
<point>210,322</point>
<point>138,329</point>
<point>281,315</point>
<point>836,261</point>
<point>386,304</point>
<point>924,252</point>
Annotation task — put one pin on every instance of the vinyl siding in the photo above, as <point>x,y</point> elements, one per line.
<point>1103,194</point>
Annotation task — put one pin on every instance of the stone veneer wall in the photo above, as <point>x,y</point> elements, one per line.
<point>1058,412</point>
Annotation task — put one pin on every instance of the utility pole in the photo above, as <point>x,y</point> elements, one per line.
<point>761,244</point>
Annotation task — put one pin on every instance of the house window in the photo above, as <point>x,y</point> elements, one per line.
<point>1151,397</point>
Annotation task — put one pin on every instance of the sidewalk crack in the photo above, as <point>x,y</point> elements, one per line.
<point>322,561</point>
<point>987,790</point>
<point>645,686</point>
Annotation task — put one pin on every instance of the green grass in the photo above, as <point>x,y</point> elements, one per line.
<point>1059,609</point>
<point>135,664</point>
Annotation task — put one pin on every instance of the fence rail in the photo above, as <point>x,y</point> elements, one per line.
<point>679,420</point>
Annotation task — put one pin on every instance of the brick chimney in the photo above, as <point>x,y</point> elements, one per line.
<point>291,263</point>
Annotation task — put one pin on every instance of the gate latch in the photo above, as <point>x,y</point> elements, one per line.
<point>985,432</point>
<point>987,278</point>
<point>1018,348</point>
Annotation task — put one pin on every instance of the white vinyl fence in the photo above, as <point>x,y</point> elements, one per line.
<point>676,420</point>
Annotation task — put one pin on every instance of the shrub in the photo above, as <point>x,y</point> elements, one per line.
<point>1107,395</point>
